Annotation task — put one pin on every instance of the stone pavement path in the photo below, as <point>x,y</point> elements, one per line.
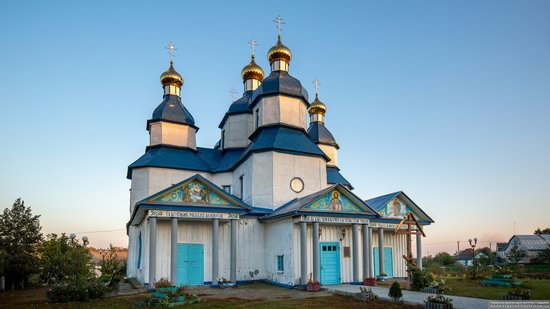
<point>410,297</point>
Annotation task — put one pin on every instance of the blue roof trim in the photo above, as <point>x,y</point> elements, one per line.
<point>319,133</point>
<point>388,220</point>
<point>172,110</point>
<point>334,177</point>
<point>170,157</point>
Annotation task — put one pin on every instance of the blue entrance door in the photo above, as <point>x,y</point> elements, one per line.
<point>190,264</point>
<point>330,262</point>
<point>388,262</point>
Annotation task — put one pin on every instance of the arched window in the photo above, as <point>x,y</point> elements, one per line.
<point>139,252</point>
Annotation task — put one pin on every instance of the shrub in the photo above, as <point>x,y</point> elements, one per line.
<point>523,293</point>
<point>421,279</point>
<point>439,299</point>
<point>163,283</point>
<point>395,291</point>
<point>82,291</point>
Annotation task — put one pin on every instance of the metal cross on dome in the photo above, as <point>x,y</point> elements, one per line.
<point>279,22</point>
<point>316,83</point>
<point>171,49</point>
<point>233,94</point>
<point>253,44</point>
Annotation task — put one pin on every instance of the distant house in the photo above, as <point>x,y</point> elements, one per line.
<point>531,244</point>
<point>501,256</point>
<point>465,257</point>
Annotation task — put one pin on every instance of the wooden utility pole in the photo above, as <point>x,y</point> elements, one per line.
<point>409,219</point>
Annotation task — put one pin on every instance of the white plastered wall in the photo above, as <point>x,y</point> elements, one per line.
<point>237,128</point>
<point>331,152</point>
<point>282,109</point>
<point>279,241</point>
<point>172,134</point>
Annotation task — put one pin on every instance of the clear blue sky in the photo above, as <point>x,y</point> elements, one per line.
<point>446,100</point>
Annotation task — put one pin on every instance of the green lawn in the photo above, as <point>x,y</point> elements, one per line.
<point>36,299</point>
<point>540,289</point>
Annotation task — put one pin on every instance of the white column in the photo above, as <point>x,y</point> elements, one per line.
<point>303,253</point>
<point>369,254</point>
<point>419,251</point>
<point>215,224</point>
<point>381,250</point>
<point>173,250</point>
<point>152,250</point>
<point>233,261</point>
<point>316,256</point>
<point>355,244</point>
<point>366,255</point>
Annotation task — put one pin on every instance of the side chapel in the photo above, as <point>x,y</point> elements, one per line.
<point>267,202</point>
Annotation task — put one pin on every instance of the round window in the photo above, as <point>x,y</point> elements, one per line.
<point>297,184</point>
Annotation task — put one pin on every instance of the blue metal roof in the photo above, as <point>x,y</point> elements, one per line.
<point>283,138</point>
<point>378,202</point>
<point>280,82</point>
<point>171,109</point>
<point>334,177</point>
<point>240,106</point>
<point>170,157</point>
<point>321,135</point>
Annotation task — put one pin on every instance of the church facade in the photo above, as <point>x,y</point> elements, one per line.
<point>267,202</point>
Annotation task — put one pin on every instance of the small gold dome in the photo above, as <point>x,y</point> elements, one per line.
<point>252,71</point>
<point>317,107</point>
<point>279,52</point>
<point>170,76</point>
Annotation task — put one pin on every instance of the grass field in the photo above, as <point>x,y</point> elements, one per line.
<point>540,289</point>
<point>36,299</point>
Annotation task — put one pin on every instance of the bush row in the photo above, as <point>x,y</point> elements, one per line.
<point>76,292</point>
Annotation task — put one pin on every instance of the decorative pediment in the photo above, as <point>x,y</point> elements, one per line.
<point>195,191</point>
<point>396,208</point>
<point>334,201</point>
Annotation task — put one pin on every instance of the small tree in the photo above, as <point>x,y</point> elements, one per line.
<point>19,236</point>
<point>395,291</point>
<point>515,256</point>
<point>112,269</point>
<point>444,258</point>
<point>543,256</point>
<point>64,260</point>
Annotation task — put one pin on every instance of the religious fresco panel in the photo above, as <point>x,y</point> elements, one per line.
<point>394,209</point>
<point>334,201</point>
<point>192,192</point>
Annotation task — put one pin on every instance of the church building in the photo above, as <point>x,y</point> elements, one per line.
<point>267,203</point>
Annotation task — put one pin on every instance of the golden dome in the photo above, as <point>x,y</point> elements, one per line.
<point>317,107</point>
<point>170,76</point>
<point>279,52</point>
<point>252,71</point>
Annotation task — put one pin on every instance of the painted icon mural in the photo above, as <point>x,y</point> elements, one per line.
<point>394,209</point>
<point>334,201</point>
<point>192,192</point>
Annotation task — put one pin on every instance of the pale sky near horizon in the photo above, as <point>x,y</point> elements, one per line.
<point>448,101</point>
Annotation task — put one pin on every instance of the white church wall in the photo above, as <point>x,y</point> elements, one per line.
<point>279,241</point>
<point>398,243</point>
<point>312,171</point>
<point>244,170</point>
<point>172,134</point>
<point>262,186</point>
<point>139,186</point>
<point>282,109</point>
<point>331,152</point>
<point>250,250</point>
<point>224,179</point>
<point>236,130</point>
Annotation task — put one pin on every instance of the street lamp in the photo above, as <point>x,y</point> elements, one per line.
<point>473,245</point>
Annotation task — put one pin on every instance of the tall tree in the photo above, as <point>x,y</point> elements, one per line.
<point>19,236</point>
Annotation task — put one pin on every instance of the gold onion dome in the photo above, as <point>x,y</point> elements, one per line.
<point>317,107</point>
<point>171,76</point>
<point>252,71</point>
<point>279,52</point>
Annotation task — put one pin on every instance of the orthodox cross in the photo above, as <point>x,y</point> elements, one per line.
<point>316,83</point>
<point>409,220</point>
<point>253,44</point>
<point>171,49</point>
<point>233,94</point>
<point>279,22</point>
